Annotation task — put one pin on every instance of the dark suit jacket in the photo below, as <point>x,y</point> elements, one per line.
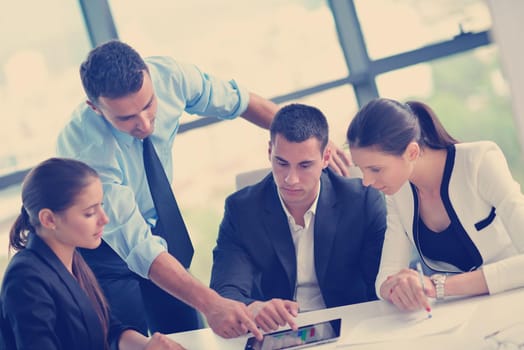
<point>43,306</point>
<point>254,258</point>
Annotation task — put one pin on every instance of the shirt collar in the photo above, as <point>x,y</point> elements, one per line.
<point>312,209</point>
<point>121,136</point>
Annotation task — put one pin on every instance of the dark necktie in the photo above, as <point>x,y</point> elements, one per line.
<point>170,224</point>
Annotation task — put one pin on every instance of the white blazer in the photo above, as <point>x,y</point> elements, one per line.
<point>485,200</point>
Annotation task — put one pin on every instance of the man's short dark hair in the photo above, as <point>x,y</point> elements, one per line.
<point>298,123</point>
<point>113,70</point>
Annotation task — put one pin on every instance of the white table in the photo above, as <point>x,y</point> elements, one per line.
<point>491,313</point>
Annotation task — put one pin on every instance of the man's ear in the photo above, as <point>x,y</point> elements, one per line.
<point>412,151</point>
<point>269,149</point>
<point>47,218</point>
<point>93,107</point>
<point>326,157</point>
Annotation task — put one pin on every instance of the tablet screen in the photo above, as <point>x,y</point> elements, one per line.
<point>309,335</point>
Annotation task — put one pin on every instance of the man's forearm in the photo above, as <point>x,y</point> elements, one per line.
<point>260,111</point>
<point>167,273</point>
<point>227,318</point>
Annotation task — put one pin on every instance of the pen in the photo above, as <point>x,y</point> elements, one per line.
<point>421,276</point>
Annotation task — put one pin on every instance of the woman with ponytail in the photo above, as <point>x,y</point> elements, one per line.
<point>456,203</point>
<point>50,299</point>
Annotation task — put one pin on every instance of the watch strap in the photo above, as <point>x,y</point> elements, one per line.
<point>439,281</point>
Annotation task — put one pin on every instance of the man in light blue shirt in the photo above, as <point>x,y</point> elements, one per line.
<point>129,99</point>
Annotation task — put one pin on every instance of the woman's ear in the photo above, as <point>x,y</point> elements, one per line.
<point>412,151</point>
<point>47,218</point>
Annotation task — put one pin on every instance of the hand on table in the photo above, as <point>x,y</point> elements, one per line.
<point>272,314</point>
<point>405,291</point>
<point>229,318</point>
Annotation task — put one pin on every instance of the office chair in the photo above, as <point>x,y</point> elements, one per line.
<point>250,177</point>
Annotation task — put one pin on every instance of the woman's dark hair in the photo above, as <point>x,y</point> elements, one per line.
<point>390,126</point>
<point>54,184</point>
<point>113,70</point>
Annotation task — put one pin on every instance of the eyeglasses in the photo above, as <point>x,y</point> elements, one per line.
<point>507,338</point>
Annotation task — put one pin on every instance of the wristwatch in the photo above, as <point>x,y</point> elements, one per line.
<point>439,280</point>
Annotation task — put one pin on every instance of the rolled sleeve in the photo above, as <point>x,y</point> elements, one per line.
<point>144,253</point>
<point>200,92</point>
<point>218,98</point>
<point>127,233</point>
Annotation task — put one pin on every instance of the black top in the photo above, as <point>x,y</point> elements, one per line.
<point>459,249</point>
<point>444,246</point>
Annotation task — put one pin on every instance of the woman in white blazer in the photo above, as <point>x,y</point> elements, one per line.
<point>456,203</point>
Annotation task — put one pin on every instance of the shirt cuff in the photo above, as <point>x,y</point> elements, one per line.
<point>243,94</point>
<point>142,256</point>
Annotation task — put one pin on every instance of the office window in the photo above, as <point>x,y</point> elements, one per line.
<point>394,26</point>
<point>273,47</point>
<point>42,46</point>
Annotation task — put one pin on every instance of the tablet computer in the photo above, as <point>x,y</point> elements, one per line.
<point>313,334</point>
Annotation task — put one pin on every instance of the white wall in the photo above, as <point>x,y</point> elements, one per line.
<point>508,31</point>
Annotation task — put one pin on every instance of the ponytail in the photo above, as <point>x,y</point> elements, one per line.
<point>432,132</point>
<point>19,231</point>
<point>391,126</point>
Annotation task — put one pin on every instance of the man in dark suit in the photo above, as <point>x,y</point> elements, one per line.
<point>303,238</point>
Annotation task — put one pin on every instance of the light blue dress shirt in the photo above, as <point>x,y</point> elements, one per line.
<point>117,156</point>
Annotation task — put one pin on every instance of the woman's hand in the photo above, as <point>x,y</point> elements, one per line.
<point>405,291</point>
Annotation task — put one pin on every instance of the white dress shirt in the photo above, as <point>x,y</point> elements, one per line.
<point>307,291</point>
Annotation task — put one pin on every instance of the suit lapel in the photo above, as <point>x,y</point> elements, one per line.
<point>91,320</point>
<point>277,228</point>
<point>325,226</point>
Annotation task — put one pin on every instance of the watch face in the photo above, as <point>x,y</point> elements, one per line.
<point>437,277</point>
